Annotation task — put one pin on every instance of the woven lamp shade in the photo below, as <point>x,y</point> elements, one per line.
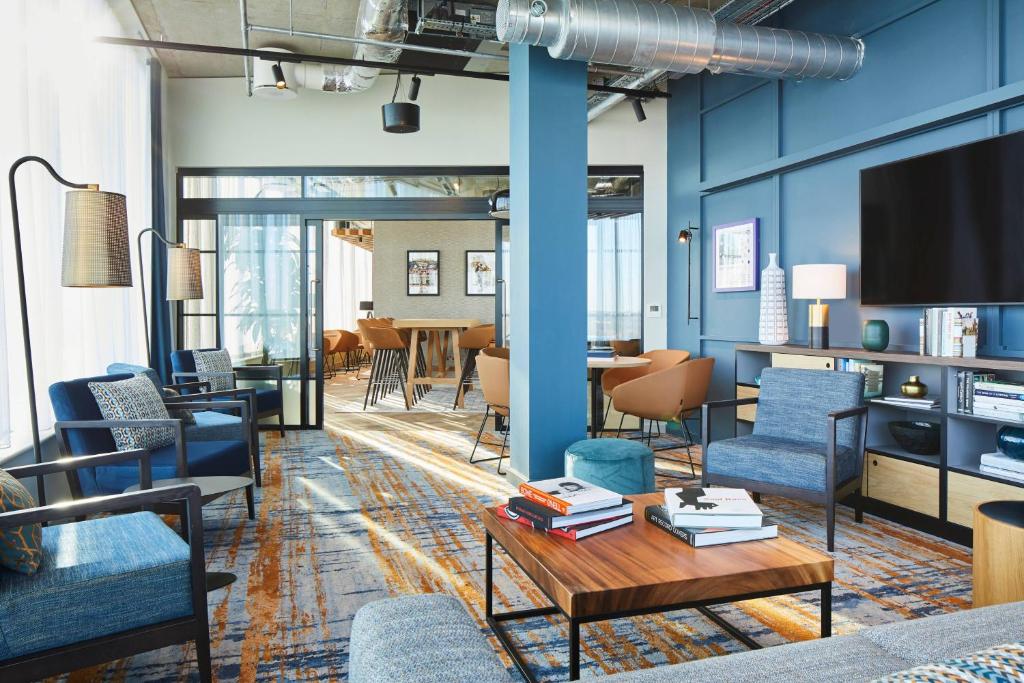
<point>184,276</point>
<point>96,250</point>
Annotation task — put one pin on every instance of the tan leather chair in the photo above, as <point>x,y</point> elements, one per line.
<point>497,352</point>
<point>347,344</point>
<point>626,347</point>
<point>472,341</point>
<point>660,360</point>
<point>675,392</point>
<point>494,383</point>
<point>389,364</point>
<point>330,340</point>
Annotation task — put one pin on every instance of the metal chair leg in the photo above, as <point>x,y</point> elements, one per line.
<point>501,454</point>
<point>480,433</point>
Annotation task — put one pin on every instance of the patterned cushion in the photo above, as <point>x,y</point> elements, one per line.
<point>212,366</point>
<point>999,664</point>
<point>778,461</point>
<point>133,399</point>
<point>20,545</point>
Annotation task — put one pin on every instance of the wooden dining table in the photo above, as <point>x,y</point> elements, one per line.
<point>442,337</point>
<point>597,366</point>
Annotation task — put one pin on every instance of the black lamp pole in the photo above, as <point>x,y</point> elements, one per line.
<point>20,269</point>
<point>145,304</point>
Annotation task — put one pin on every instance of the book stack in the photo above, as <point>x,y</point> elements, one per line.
<point>1002,466</point>
<point>712,516</point>
<point>907,402</point>
<point>874,374</point>
<point>943,329</point>
<point>997,399</point>
<point>567,507</point>
<point>965,381</point>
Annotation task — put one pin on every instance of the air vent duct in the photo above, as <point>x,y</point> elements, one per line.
<point>386,20</point>
<point>648,34</point>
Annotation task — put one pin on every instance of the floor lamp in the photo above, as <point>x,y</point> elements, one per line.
<point>96,253</point>
<point>184,278</point>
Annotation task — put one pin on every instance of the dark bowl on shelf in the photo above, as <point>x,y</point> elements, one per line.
<point>919,438</point>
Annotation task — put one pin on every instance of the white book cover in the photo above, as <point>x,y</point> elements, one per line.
<point>569,495</point>
<point>1004,462</point>
<point>1007,415</point>
<point>1001,473</point>
<point>696,507</point>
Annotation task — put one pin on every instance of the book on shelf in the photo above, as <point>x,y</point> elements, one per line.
<point>967,387</point>
<point>997,413</point>
<point>702,538</point>
<point>944,328</point>
<point>704,508</point>
<point>905,401</point>
<point>1011,475</point>
<point>575,532</point>
<point>874,374</point>
<point>983,401</point>
<point>569,495</point>
<point>544,517</point>
<point>1003,462</point>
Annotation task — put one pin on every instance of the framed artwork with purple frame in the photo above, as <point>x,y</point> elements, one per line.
<point>736,262</point>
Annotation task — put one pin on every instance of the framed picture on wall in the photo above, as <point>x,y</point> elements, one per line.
<point>424,273</point>
<point>736,263</point>
<point>480,273</point>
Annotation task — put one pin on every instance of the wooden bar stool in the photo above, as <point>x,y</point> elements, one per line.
<point>389,365</point>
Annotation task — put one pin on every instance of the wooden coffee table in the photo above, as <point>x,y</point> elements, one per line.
<point>640,569</point>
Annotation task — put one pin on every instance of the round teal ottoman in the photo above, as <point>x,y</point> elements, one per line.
<point>618,465</point>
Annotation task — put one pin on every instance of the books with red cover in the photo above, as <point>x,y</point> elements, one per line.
<point>546,518</point>
<point>573,533</point>
<point>569,495</point>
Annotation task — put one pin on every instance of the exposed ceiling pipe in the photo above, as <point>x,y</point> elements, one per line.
<point>244,12</point>
<point>379,43</point>
<point>384,22</point>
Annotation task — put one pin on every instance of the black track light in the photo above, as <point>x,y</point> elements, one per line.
<point>638,109</point>
<point>414,88</point>
<point>400,117</point>
<point>279,81</point>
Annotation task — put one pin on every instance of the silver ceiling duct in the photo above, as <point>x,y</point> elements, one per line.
<point>381,20</point>
<point>648,34</point>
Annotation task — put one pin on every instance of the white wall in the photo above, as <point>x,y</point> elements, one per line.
<point>211,122</point>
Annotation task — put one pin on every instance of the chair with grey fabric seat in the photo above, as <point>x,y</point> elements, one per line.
<point>209,425</point>
<point>807,443</point>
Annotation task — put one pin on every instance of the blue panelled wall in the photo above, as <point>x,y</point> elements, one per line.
<point>937,73</point>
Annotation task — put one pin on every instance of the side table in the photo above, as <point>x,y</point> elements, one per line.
<point>998,552</point>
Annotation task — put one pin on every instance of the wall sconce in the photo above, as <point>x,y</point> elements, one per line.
<point>686,236</point>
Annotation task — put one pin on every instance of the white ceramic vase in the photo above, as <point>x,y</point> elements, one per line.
<point>773,325</point>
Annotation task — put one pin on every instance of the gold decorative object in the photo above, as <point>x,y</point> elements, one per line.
<point>914,387</point>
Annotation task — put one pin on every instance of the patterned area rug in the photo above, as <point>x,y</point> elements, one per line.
<point>390,506</point>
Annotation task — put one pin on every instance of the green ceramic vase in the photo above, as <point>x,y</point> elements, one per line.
<point>875,335</point>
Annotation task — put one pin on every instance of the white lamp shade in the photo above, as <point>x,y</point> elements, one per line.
<point>819,281</point>
<point>184,276</point>
<point>96,250</point>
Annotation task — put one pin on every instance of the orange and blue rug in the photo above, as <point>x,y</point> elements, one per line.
<point>389,505</point>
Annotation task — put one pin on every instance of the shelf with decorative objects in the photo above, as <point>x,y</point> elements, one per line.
<point>922,464</point>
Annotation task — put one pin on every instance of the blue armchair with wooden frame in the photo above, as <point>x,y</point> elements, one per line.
<point>105,588</point>
<point>807,443</point>
<point>269,401</point>
<point>82,430</point>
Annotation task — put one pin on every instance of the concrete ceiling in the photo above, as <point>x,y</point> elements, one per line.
<point>218,22</point>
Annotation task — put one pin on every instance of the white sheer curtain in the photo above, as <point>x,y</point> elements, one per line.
<point>85,108</point>
<point>348,279</point>
<point>615,279</point>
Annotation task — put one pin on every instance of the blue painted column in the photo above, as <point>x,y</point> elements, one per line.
<point>548,282</point>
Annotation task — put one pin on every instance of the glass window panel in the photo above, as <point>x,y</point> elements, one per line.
<point>242,187</point>
<point>201,234</point>
<point>614,277</point>
<point>404,186</point>
<point>208,304</point>
<point>261,280</point>
<point>200,332</point>
<point>615,186</point>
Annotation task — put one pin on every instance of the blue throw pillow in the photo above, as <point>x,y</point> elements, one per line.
<point>20,546</point>
<point>999,664</point>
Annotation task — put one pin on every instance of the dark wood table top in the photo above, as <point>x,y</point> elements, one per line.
<point>640,567</point>
<point>210,488</point>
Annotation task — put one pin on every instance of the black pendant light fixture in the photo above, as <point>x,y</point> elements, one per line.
<point>400,117</point>
<point>498,205</point>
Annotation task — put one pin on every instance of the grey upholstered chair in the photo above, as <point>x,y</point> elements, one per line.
<point>807,444</point>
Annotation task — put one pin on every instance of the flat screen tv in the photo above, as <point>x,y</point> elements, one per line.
<point>946,227</point>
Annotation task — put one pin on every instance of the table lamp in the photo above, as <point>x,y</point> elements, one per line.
<point>819,281</point>
<point>368,307</point>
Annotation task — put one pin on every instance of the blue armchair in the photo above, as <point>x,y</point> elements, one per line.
<point>807,443</point>
<point>106,588</point>
<point>269,401</point>
<point>82,430</point>
<point>210,425</point>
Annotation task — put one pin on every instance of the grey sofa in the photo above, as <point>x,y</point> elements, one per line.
<point>431,638</point>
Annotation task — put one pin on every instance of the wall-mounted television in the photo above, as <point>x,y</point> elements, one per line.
<point>945,227</point>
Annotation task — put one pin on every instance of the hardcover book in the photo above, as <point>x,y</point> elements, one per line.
<point>547,518</point>
<point>700,508</point>
<point>573,533</point>
<point>569,495</point>
<point>702,538</point>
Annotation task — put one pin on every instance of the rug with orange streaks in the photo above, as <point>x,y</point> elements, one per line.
<point>357,513</point>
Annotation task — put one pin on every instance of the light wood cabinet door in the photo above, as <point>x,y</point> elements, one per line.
<point>904,484</point>
<point>746,413</point>
<point>795,360</point>
<point>964,492</point>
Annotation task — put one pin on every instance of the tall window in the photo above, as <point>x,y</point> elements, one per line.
<point>614,277</point>
<point>85,108</point>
